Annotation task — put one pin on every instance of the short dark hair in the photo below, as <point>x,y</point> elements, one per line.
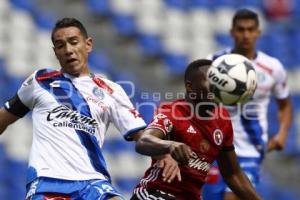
<point>193,67</point>
<point>69,22</point>
<point>245,14</point>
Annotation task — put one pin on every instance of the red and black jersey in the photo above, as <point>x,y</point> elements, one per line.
<point>207,137</point>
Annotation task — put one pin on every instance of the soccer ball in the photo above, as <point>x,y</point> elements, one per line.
<point>232,79</point>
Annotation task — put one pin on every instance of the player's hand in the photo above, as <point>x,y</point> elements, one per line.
<point>170,168</point>
<point>180,152</point>
<point>276,143</point>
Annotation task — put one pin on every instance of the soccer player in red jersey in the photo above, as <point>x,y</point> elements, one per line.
<point>195,132</point>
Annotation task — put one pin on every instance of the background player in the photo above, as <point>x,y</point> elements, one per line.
<point>250,123</point>
<point>195,132</point>
<point>71,110</point>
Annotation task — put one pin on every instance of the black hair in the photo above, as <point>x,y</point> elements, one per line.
<point>193,67</point>
<point>69,22</point>
<point>245,14</point>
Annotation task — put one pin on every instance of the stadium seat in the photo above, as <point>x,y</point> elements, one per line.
<point>101,8</point>
<point>149,27</point>
<point>296,11</point>
<point>124,24</point>
<point>198,24</point>
<point>126,184</point>
<point>26,5</point>
<point>123,17</point>
<point>225,3</point>
<point>17,174</point>
<point>176,63</point>
<point>201,4</point>
<point>100,63</point>
<point>258,4</point>
<point>147,109</point>
<point>43,20</point>
<point>151,45</point>
<point>224,40</point>
<point>3,173</point>
<point>222,19</point>
<point>177,4</point>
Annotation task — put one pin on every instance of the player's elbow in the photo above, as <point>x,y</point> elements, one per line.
<point>145,145</point>
<point>139,146</point>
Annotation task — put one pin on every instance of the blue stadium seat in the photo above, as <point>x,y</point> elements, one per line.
<point>147,109</point>
<point>99,7</point>
<point>124,24</point>
<point>26,5</point>
<point>176,63</point>
<point>225,3</point>
<point>296,11</point>
<point>3,173</point>
<point>278,45</point>
<point>44,21</point>
<point>126,184</point>
<point>151,44</point>
<point>177,4</point>
<point>206,4</point>
<point>224,40</point>
<point>250,3</point>
<point>117,145</point>
<point>99,62</point>
<point>17,179</point>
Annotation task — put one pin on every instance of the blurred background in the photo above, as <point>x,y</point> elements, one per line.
<point>148,42</point>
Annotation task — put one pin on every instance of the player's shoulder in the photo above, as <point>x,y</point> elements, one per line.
<point>269,61</point>
<point>219,53</point>
<point>104,82</point>
<point>174,108</point>
<point>46,73</point>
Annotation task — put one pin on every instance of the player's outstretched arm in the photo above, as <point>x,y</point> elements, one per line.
<point>235,177</point>
<point>153,143</point>
<point>285,119</point>
<point>169,166</point>
<point>6,118</point>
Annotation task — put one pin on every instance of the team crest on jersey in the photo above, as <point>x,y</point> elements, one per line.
<point>218,136</point>
<point>204,146</point>
<point>160,116</point>
<point>261,77</point>
<point>168,125</point>
<point>157,117</point>
<point>98,93</point>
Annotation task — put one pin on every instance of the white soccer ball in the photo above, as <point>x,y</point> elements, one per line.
<point>232,79</point>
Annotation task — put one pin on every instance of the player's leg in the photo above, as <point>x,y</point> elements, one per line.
<point>251,168</point>
<point>100,189</point>
<point>215,186</point>
<point>53,189</point>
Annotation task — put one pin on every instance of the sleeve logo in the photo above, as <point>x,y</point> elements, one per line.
<point>168,125</point>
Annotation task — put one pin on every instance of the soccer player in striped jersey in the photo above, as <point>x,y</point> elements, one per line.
<point>71,111</point>
<point>250,120</point>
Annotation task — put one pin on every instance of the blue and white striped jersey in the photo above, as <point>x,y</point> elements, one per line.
<point>70,118</point>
